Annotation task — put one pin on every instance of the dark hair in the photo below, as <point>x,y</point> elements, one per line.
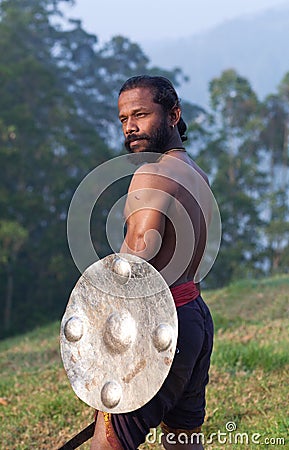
<point>163,93</point>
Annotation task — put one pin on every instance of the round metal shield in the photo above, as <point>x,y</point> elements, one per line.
<point>118,334</point>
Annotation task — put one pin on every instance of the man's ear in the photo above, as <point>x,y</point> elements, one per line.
<point>174,116</point>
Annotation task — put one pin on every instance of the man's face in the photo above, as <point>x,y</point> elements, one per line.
<point>144,123</point>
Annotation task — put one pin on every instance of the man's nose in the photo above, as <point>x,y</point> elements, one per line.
<point>131,126</point>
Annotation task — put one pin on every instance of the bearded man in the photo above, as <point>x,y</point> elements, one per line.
<point>161,193</point>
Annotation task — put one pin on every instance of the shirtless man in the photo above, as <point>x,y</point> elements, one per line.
<point>155,211</point>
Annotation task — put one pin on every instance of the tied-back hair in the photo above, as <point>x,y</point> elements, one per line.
<point>163,93</point>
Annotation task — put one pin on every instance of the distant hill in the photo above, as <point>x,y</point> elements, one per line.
<point>256,46</point>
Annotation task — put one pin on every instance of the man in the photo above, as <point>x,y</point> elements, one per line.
<point>162,195</point>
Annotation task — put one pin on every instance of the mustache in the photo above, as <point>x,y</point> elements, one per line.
<point>139,137</point>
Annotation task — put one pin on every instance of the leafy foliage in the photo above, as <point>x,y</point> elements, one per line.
<point>243,144</point>
<point>58,120</point>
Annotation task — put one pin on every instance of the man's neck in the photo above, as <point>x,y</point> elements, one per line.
<point>174,142</point>
<point>176,149</point>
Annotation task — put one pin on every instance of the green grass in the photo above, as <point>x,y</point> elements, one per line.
<point>248,379</point>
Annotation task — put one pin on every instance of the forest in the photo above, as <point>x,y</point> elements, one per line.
<point>58,121</point>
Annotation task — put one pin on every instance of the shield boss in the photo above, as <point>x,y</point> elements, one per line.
<point>118,334</point>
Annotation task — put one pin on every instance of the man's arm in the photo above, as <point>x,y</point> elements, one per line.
<point>148,200</point>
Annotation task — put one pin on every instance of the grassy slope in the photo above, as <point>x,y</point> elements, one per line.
<point>248,383</point>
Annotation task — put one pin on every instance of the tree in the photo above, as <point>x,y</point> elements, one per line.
<point>275,140</point>
<point>237,179</point>
<point>57,108</point>
<point>43,156</point>
<point>94,74</point>
<point>12,238</point>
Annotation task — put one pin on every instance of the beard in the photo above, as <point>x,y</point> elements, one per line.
<point>156,142</point>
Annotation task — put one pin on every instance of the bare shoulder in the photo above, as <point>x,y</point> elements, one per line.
<point>168,175</point>
<point>154,176</point>
<point>184,170</point>
<point>200,171</point>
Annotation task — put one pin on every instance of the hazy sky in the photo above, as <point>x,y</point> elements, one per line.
<point>156,19</point>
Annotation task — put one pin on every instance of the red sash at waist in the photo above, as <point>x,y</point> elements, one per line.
<point>184,293</point>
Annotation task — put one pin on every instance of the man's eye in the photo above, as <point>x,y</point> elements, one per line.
<point>123,119</point>
<point>140,114</point>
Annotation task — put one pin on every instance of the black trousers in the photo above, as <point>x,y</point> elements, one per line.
<point>180,403</point>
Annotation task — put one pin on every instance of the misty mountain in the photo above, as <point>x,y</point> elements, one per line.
<point>256,46</point>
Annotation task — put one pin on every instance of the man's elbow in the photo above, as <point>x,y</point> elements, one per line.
<point>145,245</point>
